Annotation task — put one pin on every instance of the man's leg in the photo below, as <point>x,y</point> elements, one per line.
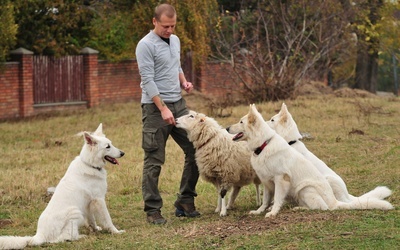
<point>190,175</point>
<point>153,143</point>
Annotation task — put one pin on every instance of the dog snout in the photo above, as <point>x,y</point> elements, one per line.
<point>121,153</point>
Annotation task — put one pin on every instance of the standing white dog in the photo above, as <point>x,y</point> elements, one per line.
<point>79,198</point>
<point>293,175</point>
<point>221,161</point>
<point>284,124</point>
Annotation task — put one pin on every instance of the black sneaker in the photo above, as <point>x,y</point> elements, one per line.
<point>185,209</point>
<point>156,218</point>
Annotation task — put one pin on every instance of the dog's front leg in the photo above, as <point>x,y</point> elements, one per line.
<point>266,199</point>
<point>100,212</point>
<point>282,186</point>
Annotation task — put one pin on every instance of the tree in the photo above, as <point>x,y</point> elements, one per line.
<point>57,27</point>
<point>274,47</point>
<point>373,23</point>
<point>8,28</point>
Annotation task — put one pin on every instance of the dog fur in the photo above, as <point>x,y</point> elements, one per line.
<point>220,160</point>
<point>284,124</point>
<point>291,173</point>
<point>79,198</point>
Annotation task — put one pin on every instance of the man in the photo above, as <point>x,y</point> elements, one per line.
<point>158,58</point>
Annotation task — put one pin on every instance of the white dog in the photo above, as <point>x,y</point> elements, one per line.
<point>284,124</point>
<point>79,198</point>
<point>220,160</point>
<point>292,174</point>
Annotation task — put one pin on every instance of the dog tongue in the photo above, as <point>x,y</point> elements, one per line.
<point>238,136</point>
<point>111,160</point>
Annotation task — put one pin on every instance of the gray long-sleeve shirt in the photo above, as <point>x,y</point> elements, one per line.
<point>159,68</point>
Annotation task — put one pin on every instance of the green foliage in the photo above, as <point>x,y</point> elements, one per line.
<point>110,34</point>
<point>52,27</point>
<point>8,28</point>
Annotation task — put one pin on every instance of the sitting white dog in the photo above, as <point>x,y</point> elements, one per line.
<point>79,198</point>
<point>284,124</point>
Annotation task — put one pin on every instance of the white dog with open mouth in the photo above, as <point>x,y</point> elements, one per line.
<point>291,173</point>
<point>79,198</point>
<point>284,124</point>
<point>221,161</point>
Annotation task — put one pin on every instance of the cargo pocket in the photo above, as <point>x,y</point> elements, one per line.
<point>150,139</point>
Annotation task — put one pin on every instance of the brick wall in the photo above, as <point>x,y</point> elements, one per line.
<point>9,95</point>
<point>217,79</point>
<point>105,82</point>
<point>119,82</point>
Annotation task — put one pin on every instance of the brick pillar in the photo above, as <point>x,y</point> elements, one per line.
<point>25,75</point>
<point>90,69</point>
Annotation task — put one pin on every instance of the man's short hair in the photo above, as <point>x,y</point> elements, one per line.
<point>164,9</point>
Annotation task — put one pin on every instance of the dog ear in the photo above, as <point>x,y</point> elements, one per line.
<point>251,117</point>
<point>89,139</point>
<point>283,113</point>
<point>99,130</point>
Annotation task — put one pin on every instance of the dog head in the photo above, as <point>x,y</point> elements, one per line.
<point>251,128</point>
<point>98,149</point>
<point>284,124</point>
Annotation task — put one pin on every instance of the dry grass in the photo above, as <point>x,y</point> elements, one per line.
<point>36,152</point>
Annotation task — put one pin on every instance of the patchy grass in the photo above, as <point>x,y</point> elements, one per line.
<point>357,137</point>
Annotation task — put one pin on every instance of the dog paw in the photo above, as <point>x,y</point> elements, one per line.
<point>270,215</point>
<point>118,231</point>
<point>256,212</point>
<point>223,213</point>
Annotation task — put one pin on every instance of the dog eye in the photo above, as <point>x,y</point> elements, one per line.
<point>272,120</point>
<point>191,116</point>
<point>108,146</point>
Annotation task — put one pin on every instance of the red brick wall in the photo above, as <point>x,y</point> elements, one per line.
<point>9,95</point>
<point>105,83</point>
<point>217,79</point>
<point>119,82</point>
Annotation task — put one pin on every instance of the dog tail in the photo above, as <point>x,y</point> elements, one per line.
<point>366,203</point>
<point>380,192</point>
<point>14,242</point>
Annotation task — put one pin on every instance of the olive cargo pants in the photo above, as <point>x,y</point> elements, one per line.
<point>154,137</point>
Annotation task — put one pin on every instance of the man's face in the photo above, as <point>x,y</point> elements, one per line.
<point>165,26</point>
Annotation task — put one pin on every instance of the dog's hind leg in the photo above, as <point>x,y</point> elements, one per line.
<point>233,197</point>
<point>310,198</point>
<point>282,186</point>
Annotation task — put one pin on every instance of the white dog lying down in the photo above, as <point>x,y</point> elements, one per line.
<point>220,160</point>
<point>292,174</point>
<point>79,198</point>
<point>284,124</point>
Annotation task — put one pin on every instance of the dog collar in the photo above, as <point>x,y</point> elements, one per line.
<point>97,168</point>
<point>292,142</point>
<point>260,148</point>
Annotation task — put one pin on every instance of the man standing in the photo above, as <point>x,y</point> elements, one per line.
<point>158,58</point>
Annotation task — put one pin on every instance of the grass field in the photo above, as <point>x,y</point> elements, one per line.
<point>357,137</point>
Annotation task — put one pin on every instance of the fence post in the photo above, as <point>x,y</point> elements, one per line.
<point>25,75</point>
<point>90,71</point>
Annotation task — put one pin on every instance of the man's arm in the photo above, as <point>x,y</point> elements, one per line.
<point>187,86</point>
<point>166,114</point>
